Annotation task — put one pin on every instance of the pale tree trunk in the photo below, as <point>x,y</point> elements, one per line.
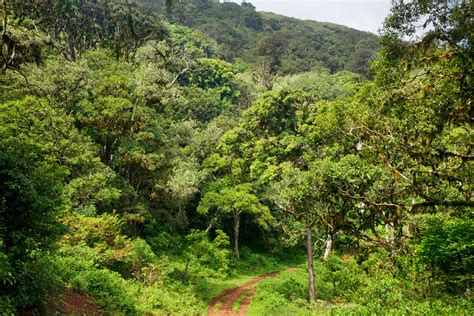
<point>4,21</point>
<point>410,211</point>
<point>5,42</point>
<point>309,254</point>
<point>329,241</point>
<point>4,29</point>
<point>211,224</point>
<point>236,233</point>
<point>388,232</point>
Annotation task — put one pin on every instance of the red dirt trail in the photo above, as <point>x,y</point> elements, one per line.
<point>74,303</point>
<point>69,302</point>
<point>229,297</point>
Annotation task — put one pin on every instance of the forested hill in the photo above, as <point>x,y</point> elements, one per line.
<point>154,155</point>
<point>288,44</point>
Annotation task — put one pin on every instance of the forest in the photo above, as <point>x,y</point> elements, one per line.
<point>159,155</point>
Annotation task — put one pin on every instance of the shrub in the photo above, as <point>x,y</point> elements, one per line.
<point>78,267</point>
<point>447,245</point>
<point>200,251</point>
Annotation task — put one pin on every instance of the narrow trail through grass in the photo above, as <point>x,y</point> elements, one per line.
<point>229,297</point>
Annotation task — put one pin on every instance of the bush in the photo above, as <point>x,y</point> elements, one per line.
<point>254,262</point>
<point>78,267</point>
<point>381,285</point>
<point>6,271</point>
<point>447,245</point>
<point>201,252</point>
<point>176,300</point>
<point>7,306</point>
<point>281,295</point>
<point>29,283</point>
<point>88,269</point>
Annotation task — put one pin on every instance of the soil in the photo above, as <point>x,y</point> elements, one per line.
<point>74,303</point>
<point>229,297</point>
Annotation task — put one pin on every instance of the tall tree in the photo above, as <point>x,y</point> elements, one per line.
<point>235,201</point>
<point>294,195</point>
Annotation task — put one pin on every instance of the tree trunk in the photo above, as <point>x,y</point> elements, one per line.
<point>3,39</point>
<point>5,19</point>
<point>309,250</point>
<point>329,241</point>
<point>388,232</point>
<point>211,224</point>
<point>236,233</point>
<point>186,270</point>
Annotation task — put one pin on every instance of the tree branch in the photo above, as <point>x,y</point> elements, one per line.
<point>443,203</point>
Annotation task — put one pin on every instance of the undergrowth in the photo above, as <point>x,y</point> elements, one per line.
<point>347,287</point>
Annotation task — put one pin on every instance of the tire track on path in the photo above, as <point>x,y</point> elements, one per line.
<point>230,296</point>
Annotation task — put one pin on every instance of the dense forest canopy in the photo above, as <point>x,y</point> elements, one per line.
<point>154,153</point>
<point>285,45</point>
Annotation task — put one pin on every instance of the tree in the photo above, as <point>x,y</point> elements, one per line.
<point>277,141</point>
<point>423,84</point>
<point>213,74</point>
<point>272,47</point>
<point>35,161</point>
<point>250,18</point>
<point>201,251</point>
<point>80,25</point>
<point>446,245</point>
<point>235,201</point>
<point>294,195</point>
<point>358,61</point>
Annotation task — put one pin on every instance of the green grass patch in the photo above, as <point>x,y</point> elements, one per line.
<point>217,307</point>
<point>250,266</point>
<point>236,305</point>
<point>344,287</point>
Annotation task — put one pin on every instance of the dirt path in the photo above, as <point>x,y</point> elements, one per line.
<point>229,297</point>
<point>73,303</point>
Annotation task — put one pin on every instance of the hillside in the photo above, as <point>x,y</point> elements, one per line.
<point>291,45</point>
<point>147,168</point>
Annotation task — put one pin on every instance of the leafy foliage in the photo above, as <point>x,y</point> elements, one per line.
<point>291,45</point>
<point>132,147</point>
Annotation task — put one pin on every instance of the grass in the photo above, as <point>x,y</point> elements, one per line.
<point>220,285</point>
<point>217,307</point>
<point>344,287</point>
<point>248,268</point>
<point>236,305</point>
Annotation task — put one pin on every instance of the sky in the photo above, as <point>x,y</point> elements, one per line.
<point>365,15</point>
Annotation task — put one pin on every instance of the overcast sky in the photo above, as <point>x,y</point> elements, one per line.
<point>366,15</point>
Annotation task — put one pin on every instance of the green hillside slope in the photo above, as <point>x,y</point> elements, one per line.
<point>289,45</point>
